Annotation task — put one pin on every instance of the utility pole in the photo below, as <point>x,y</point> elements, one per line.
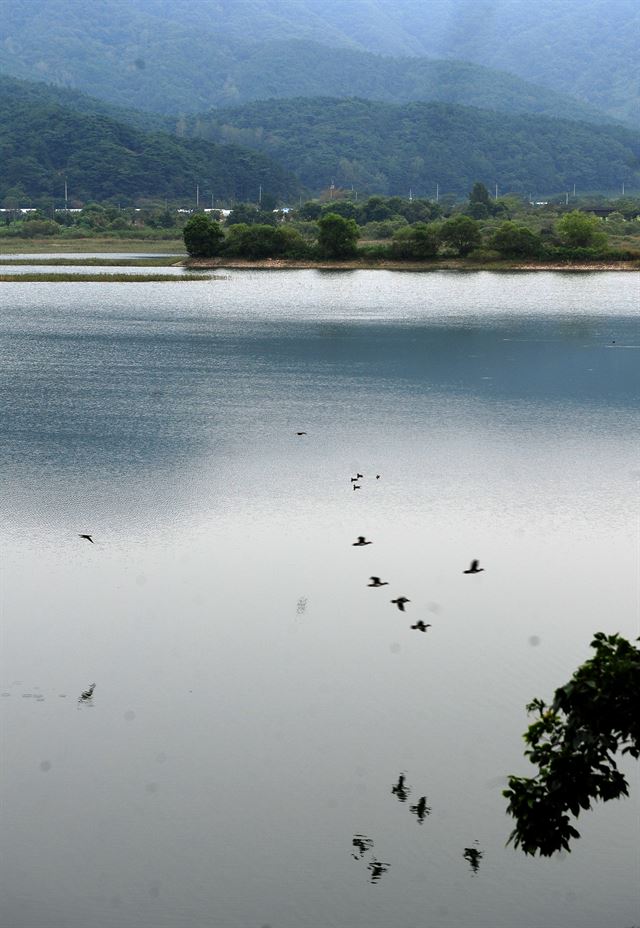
<point>566,199</point>
<point>574,190</point>
<point>437,192</point>
<point>410,196</point>
<point>496,191</point>
<point>197,195</point>
<point>66,195</point>
<point>622,188</point>
<point>260,196</point>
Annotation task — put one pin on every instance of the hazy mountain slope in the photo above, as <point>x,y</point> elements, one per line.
<point>584,48</point>
<point>297,68</point>
<point>386,148</point>
<point>158,55</point>
<point>41,144</point>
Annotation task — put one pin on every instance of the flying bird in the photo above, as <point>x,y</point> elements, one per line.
<point>359,475</point>
<point>400,601</point>
<point>420,626</point>
<point>474,569</point>
<point>88,693</point>
<point>87,538</point>
<point>376,581</point>
<point>357,486</point>
<point>361,541</point>
<point>301,433</point>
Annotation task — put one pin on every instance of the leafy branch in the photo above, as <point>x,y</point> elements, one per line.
<point>573,742</point>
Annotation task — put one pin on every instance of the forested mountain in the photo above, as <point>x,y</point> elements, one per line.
<point>38,93</point>
<point>389,148</point>
<point>172,56</point>
<point>41,144</point>
<point>304,68</point>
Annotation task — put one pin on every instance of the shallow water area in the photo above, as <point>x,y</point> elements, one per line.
<point>255,701</point>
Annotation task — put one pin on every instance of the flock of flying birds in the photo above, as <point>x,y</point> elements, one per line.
<point>376,582</point>
<point>362,845</point>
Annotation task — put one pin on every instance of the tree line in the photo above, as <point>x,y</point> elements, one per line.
<point>419,231</point>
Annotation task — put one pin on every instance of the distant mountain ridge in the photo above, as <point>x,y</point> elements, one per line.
<point>156,55</point>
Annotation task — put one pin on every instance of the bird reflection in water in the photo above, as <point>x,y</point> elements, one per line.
<point>421,809</point>
<point>377,868</point>
<point>400,790</point>
<point>87,696</point>
<point>362,844</point>
<point>474,856</point>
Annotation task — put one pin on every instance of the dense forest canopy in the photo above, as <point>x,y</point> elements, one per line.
<point>386,148</point>
<point>169,56</point>
<point>41,144</point>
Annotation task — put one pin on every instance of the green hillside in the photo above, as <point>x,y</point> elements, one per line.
<point>388,148</point>
<point>160,57</point>
<point>101,158</point>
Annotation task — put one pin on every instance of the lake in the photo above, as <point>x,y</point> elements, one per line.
<point>255,701</point>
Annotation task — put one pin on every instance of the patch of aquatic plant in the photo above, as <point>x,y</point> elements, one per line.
<point>61,261</point>
<point>102,278</point>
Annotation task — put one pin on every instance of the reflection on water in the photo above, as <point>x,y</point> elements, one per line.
<point>473,855</point>
<point>233,747</point>
<point>377,868</point>
<point>421,810</point>
<point>400,789</point>
<point>362,844</point>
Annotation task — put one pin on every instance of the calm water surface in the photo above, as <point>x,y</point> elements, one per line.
<point>255,701</point>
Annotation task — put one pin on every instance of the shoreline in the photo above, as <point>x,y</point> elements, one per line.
<point>288,264</point>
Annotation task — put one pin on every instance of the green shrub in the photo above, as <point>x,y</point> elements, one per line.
<point>416,243</point>
<point>202,236</point>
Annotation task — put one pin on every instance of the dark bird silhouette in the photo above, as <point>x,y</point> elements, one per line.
<point>353,479</point>
<point>400,790</point>
<point>376,581</point>
<point>87,538</point>
<point>474,569</point>
<point>421,809</point>
<point>377,476</point>
<point>88,693</point>
<point>359,475</point>
<point>361,541</point>
<point>357,486</point>
<point>400,601</point>
<point>420,626</point>
<point>301,433</point>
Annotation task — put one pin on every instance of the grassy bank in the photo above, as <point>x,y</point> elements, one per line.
<point>450,264</point>
<point>89,244</point>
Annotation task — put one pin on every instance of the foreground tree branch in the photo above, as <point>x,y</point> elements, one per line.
<point>573,742</point>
